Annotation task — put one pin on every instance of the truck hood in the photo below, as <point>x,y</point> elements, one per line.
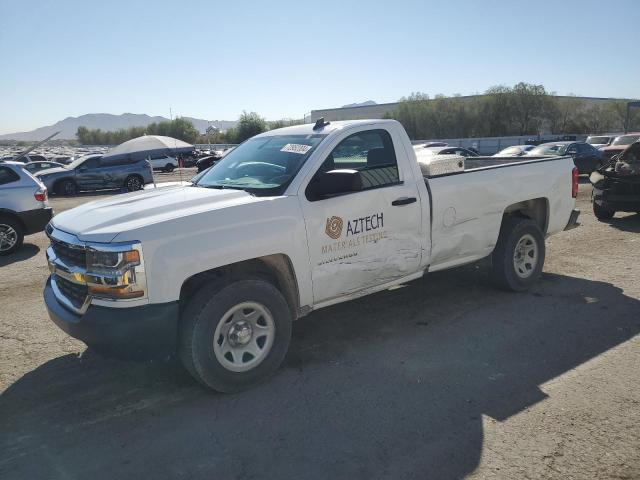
<point>103,220</point>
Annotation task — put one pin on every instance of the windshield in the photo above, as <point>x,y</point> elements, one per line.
<point>626,140</point>
<point>79,161</point>
<point>597,140</point>
<point>262,164</point>
<point>548,149</point>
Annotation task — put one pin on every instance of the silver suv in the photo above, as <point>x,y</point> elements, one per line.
<point>24,208</point>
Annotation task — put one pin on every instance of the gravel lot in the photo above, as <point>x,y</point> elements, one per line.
<point>444,378</point>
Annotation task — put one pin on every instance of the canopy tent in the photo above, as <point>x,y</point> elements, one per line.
<point>147,146</point>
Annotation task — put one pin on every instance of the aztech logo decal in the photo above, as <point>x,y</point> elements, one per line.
<point>334,227</point>
<point>358,234</point>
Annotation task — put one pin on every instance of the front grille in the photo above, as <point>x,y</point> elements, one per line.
<point>70,254</point>
<point>75,293</point>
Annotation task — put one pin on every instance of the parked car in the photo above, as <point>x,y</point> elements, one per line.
<point>33,167</point>
<point>31,157</point>
<point>514,151</point>
<point>599,141</point>
<point>24,208</point>
<point>187,161</point>
<point>585,156</point>
<point>288,223</point>
<point>165,164</point>
<point>616,186</point>
<point>432,144</point>
<point>205,162</point>
<point>460,151</point>
<point>619,144</point>
<point>90,173</point>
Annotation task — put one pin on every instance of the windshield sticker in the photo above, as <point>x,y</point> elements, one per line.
<point>296,148</point>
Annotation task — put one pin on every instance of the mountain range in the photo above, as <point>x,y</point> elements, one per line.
<point>106,122</point>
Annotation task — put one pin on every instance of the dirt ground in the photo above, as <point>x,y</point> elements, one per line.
<point>443,378</point>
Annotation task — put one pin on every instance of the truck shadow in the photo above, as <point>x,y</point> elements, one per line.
<point>26,251</point>
<point>393,385</point>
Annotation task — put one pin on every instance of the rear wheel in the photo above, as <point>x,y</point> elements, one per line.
<point>168,168</point>
<point>235,337</point>
<point>518,258</point>
<point>66,187</point>
<point>11,235</point>
<point>602,213</point>
<point>133,183</point>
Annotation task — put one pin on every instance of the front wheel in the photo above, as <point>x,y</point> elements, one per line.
<point>518,258</point>
<point>168,168</point>
<point>235,337</point>
<point>67,188</point>
<point>602,213</point>
<point>133,183</point>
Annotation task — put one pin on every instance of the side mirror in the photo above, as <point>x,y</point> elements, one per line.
<point>334,182</point>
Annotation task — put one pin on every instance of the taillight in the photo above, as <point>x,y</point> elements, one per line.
<point>574,182</point>
<point>41,195</point>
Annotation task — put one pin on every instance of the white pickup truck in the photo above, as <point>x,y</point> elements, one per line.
<point>291,221</point>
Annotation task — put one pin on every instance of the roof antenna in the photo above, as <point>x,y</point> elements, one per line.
<point>320,123</point>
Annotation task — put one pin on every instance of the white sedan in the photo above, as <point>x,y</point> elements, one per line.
<point>514,151</point>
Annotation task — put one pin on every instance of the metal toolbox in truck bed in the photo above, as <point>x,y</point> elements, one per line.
<point>435,165</point>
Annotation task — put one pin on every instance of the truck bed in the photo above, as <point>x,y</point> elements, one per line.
<point>472,164</point>
<point>467,210</point>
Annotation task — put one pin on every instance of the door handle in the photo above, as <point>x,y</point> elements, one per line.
<point>403,201</point>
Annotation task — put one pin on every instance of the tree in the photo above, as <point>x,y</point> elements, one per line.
<point>529,105</point>
<point>178,128</point>
<point>249,124</point>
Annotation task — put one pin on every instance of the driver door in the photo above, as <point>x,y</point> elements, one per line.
<point>88,176</point>
<point>365,238</point>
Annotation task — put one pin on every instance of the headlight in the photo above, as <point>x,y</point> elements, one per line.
<point>116,272</point>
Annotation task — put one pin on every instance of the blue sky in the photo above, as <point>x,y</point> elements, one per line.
<point>212,60</point>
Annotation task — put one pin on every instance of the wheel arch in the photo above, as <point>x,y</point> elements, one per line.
<point>536,209</point>
<point>12,215</point>
<point>276,269</point>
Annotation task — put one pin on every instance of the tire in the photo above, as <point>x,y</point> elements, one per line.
<point>518,258</point>
<point>133,183</point>
<point>11,235</point>
<point>219,314</point>
<point>602,213</point>
<point>66,187</point>
<point>168,168</point>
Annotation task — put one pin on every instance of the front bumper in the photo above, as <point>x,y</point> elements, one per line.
<point>138,333</point>
<point>618,202</point>
<point>573,220</point>
<point>35,220</point>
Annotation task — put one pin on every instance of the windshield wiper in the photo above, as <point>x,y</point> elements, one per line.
<point>226,187</point>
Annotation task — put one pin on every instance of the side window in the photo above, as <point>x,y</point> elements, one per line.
<point>91,163</point>
<point>371,152</point>
<point>7,176</point>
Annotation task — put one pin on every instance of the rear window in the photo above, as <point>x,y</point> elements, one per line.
<point>7,176</point>
<point>597,140</point>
